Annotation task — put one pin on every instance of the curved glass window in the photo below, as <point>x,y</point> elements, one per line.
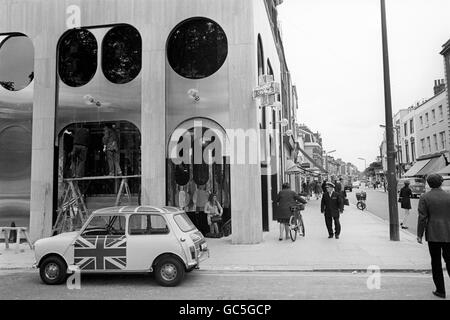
<point>16,62</point>
<point>121,54</point>
<point>77,57</point>
<point>197,48</point>
<point>15,155</point>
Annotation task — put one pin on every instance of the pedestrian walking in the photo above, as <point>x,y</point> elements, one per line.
<point>338,186</point>
<point>286,199</point>
<point>332,206</point>
<point>434,221</point>
<point>324,186</point>
<point>405,200</point>
<point>317,190</point>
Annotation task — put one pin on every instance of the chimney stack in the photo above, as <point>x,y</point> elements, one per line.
<point>439,86</point>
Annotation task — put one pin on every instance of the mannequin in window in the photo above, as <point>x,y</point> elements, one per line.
<point>81,138</point>
<point>111,147</point>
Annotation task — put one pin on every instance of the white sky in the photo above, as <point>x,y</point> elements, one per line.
<point>334,53</point>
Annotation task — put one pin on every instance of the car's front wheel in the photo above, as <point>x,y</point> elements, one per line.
<point>53,270</point>
<point>169,272</point>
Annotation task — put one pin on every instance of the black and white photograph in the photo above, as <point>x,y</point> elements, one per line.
<point>240,152</point>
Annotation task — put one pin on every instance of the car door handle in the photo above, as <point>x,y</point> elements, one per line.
<point>182,240</point>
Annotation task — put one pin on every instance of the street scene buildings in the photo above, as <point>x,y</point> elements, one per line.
<point>181,122</point>
<point>421,134</point>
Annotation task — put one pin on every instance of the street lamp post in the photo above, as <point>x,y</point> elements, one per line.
<point>365,163</point>
<point>394,228</point>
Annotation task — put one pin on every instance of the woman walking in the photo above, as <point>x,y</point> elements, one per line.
<point>214,211</point>
<point>286,199</point>
<point>318,190</point>
<point>405,200</point>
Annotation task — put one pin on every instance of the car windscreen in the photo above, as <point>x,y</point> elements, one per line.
<point>183,222</point>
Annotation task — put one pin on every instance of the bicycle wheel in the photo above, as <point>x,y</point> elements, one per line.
<point>292,229</point>
<point>361,205</point>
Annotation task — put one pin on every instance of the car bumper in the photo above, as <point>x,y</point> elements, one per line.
<point>200,256</point>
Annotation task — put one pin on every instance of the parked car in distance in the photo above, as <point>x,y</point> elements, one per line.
<point>445,185</point>
<point>138,239</point>
<point>417,186</point>
<point>356,184</point>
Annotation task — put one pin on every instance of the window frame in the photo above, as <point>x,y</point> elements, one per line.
<point>148,234</point>
<point>86,225</point>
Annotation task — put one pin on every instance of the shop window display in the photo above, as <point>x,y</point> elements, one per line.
<point>189,186</point>
<point>88,158</point>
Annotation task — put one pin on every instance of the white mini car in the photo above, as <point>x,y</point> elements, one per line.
<point>125,239</point>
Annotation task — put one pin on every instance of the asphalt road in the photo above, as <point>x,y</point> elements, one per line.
<point>203,285</point>
<point>377,203</point>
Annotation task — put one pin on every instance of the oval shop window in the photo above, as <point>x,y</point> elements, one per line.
<point>122,54</point>
<point>16,62</point>
<point>197,48</point>
<point>77,62</point>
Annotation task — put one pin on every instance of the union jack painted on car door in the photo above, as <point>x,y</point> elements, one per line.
<point>98,253</point>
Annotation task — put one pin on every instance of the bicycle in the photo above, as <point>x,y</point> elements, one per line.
<point>361,198</point>
<point>296,223</point>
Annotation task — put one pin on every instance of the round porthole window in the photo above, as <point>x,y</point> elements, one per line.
<point>77,57</point>
<point>197,48</point>
<point>122,54</point>
<point>16,62</point>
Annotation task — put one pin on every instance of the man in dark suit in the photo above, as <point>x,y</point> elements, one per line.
<point>332,206</point>
<point>434,220</point>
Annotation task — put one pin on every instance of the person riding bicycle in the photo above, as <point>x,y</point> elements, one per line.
<point>287,200</point>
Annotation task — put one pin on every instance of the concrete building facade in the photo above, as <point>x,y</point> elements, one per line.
<point>159,99</point>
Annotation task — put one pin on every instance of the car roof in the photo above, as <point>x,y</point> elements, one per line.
<point>124,210</point>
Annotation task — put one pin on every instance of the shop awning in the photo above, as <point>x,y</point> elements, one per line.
<point>292,168</point>
<point>419,165</point>
<point>445,171</point>
<point>318,166</point>
<point>433,166</point>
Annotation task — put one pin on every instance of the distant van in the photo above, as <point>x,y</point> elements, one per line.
<point>417,186</point>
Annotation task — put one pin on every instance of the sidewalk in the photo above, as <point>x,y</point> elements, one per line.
<point>364,242</point>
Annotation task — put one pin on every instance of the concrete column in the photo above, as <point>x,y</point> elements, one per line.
<point>41,207</point>
<point>245,178</point>
<point>153,150</point>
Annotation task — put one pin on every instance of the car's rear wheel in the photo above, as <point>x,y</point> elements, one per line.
<point>169,272</point>
<point>53,270</point>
